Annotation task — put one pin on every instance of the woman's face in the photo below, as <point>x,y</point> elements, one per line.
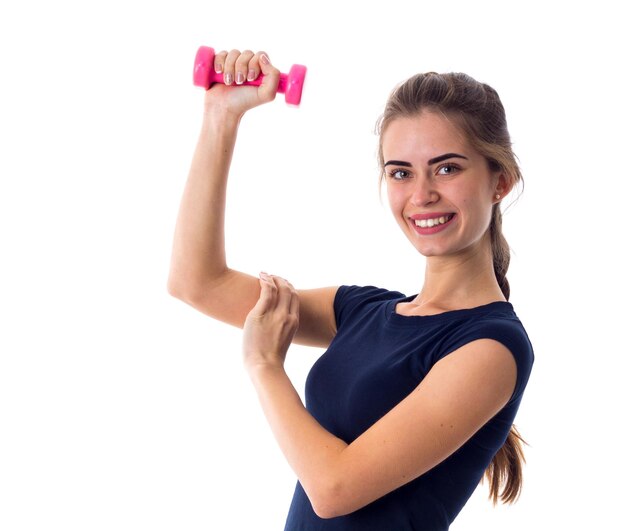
<point>441,191</point>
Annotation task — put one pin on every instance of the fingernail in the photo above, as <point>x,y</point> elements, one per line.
<point>251,74</point>
<point>228,79</point>
<point>240,78</point>
<point>265,59</point>
<point>218,68</point>
<point>264,275</point>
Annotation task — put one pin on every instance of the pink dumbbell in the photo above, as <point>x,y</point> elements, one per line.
<point>204,76</point>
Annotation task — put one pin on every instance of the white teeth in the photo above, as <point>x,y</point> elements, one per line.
<point>432,222</point>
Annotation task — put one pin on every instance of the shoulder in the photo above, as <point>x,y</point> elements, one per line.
<point>365,293</point>
<point>497,322</point>
<point>351,300</point>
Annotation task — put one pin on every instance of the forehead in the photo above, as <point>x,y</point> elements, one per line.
<point>425,135</point>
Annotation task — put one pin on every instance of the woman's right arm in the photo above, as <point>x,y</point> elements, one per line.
<point>199,274</point>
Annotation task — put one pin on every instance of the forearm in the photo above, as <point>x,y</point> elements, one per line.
<point>312,452</point>
<point>198,254</point>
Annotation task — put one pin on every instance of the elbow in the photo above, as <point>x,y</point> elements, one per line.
<point>172,288</point>
<point>183,291</point>
<point>326,508</point>
<point>192,287</point>
<point>332,500</point>
<point>327,512</point>
<point>323,510</point>
<point>175,289</point>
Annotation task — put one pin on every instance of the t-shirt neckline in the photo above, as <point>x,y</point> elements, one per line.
<point>449,315</point>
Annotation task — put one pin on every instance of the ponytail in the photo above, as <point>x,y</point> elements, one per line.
<point>500,251</point>
<point>504,473</point>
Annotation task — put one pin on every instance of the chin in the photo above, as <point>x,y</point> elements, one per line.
<point>428,249</point>
<point>427,246</point>
<point>428,252</point>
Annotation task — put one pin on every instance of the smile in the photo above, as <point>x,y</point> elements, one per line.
<point>432,222</point>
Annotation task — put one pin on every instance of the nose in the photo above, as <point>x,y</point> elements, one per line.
<point>423,193</point>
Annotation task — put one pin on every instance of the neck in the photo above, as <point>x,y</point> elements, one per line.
<point>464,280</point>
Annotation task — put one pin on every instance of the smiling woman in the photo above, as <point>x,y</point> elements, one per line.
<point>421,185</point>
<point>477,119</point>
<point>432,113</point>
<point>415,397</point>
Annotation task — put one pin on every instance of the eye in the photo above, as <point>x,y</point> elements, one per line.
<point>398,175</point>
<point>447,169</point>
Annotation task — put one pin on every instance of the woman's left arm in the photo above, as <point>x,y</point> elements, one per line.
<point>458,396</point>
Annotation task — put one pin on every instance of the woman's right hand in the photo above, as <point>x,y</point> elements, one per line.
<point>237,67</point>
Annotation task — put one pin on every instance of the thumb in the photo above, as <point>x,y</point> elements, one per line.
<point>271,78</point>
<point>267,297</point>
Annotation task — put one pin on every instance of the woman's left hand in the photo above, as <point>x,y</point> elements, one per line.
<point>271,324</point>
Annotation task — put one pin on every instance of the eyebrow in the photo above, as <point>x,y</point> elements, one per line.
<point>434,160</point>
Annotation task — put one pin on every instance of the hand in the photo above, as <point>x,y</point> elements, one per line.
<point>238,67</point>
<point>271,324</point>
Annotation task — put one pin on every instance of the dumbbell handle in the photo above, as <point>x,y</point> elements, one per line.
<point>204,75</point>
<point>282,83</point>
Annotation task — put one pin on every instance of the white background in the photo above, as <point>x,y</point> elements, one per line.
<point>121,407</point>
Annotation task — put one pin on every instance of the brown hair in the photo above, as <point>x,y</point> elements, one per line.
<point>477,110</point>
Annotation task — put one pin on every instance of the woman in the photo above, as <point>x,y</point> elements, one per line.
<point>414,400</point>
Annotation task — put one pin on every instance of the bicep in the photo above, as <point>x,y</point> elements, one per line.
<point>460,394</point>
<point>230,298</point>
<point>317,326</point>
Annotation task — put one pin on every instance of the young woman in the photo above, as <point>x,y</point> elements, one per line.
<point>414,400</point>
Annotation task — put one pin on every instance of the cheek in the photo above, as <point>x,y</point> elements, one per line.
<point>396,209</point>
<point>481,213</point>
<point>396,202</point>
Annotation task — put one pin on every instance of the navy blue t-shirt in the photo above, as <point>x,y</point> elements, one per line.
<point>376,359</point>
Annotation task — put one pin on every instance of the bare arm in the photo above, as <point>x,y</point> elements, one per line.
<point>199,274</point>
<point>458,396</point>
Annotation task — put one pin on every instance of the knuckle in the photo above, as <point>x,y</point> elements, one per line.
<point>243,59</point>
<point>254,62</point>
<point>219,59</point>
<point>232,57</point>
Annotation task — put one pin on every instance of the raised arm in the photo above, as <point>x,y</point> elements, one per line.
<point>199,274</point>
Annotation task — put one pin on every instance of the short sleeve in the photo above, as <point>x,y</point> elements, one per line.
<point>350,301</point>
<point>508,332</point>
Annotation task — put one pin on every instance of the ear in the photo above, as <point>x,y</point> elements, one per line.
<point>504,184</point>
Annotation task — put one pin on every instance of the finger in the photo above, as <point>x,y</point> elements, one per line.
<point>229,66</point>
<point>218,61</point>
<point>294,308</point>
<point>241,66</point>
<point>268,295</point>
<point>254,69</point>
<point>285,294</point>
<point>271,77</point>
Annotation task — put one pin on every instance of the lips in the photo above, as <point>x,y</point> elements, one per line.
<point>431,223</point>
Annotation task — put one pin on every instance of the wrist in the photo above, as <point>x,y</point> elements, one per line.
<point>260,370</point>
<point>220,118</point>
